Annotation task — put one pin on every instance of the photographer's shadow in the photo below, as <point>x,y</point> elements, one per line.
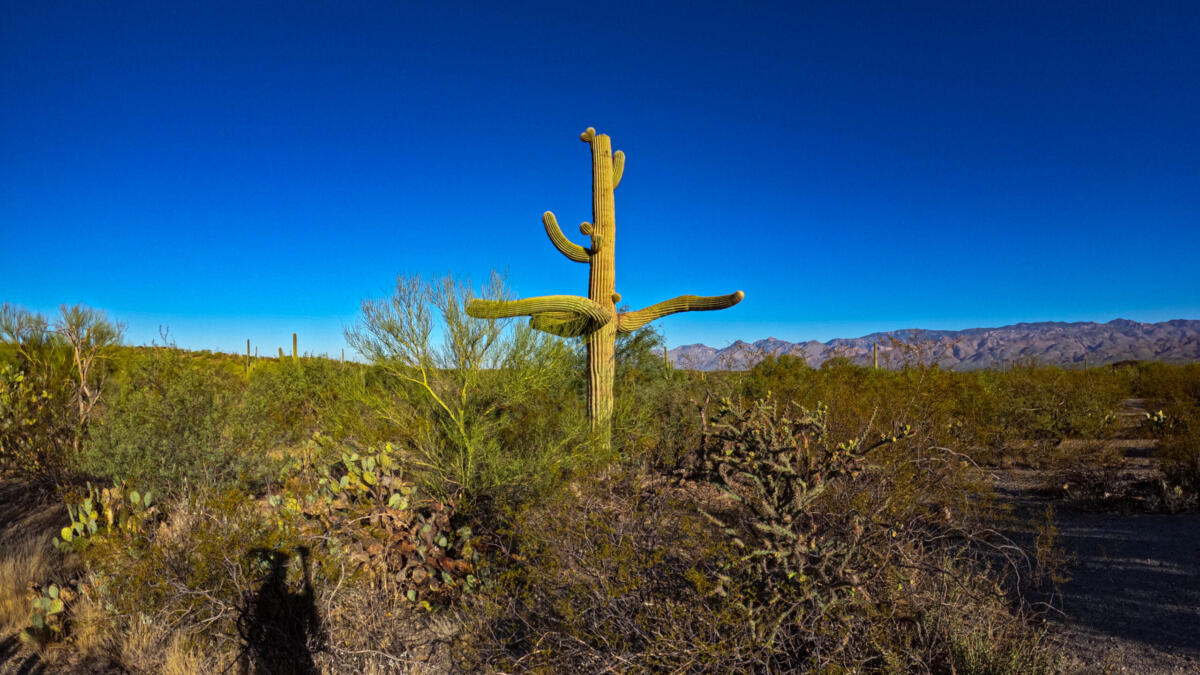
<point>280,628</point>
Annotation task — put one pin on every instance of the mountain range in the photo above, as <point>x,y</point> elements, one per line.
<point>1046,343</point>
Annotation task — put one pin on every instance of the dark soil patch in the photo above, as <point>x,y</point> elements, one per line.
<point>1132,604</point>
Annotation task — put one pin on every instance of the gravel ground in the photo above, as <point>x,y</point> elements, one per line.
<point>1132,604</point>
<point>1133,601</point>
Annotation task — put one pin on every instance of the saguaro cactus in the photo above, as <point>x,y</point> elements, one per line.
<point>595,317</point>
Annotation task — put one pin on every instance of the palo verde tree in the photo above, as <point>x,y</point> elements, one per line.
<point>595,318</point>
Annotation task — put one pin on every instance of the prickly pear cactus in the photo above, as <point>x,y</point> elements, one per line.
<point>46,613</point>
<point>595,318</point>
<point>105,510</point>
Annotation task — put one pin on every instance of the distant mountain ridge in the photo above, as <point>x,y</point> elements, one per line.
<point>1047,343</point>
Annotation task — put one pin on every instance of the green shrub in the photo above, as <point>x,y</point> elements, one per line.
<point>286,401</point>
<point>33,436</point>
<point>491,411</point>
<point>163,425</point>
<point>50,386</point>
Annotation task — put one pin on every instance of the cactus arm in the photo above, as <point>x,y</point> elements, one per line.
<point>562,315</point>
<point>562,324</point>
<point>631,321</point>
<point>565,246</point>
<point>618,167</point>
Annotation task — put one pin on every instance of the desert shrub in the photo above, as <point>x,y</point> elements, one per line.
<point>786,551</point>
<point>286,401</point>
<point>787,377</point>
<point>1173,393</point>
<point>193,567</point>
<point>488,412</point>
<point>654,411</point>
<point>797,583</point>
<point>845,543</point>
<point>34,434</point>
<point>926,397</point>
<point>1093,477</point>
<point>1053,403</point>
<point>1162,384</point>
<point>163,424</point>
<point>598,577</point>
<point>51,377</point>
<point>988,414</point>
<point>1177,428</point>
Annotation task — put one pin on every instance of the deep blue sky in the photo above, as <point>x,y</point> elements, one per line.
<point>249,169</point>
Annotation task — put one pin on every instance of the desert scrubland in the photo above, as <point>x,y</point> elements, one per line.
<point>446,507</point>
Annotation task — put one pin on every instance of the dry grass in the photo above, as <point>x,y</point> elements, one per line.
<point>93,630</point>
<point>24,561</point>
<point>29,517</point>
<point>154,648</point>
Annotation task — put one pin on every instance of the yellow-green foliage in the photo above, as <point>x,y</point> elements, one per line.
<point>980,412</point>
<point>110,511</point>
<point>1173,394</point>
<point>163,422</point>
<point>51,376</point>
<point>27,428</point>
<point>489,412</point>
<point>46,616</point>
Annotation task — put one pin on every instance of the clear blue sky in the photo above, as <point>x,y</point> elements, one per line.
<point>245,170</point>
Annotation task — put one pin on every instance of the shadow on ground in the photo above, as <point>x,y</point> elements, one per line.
<point>280,628</point>
<point>17,661</point>
<point>1136,577</point>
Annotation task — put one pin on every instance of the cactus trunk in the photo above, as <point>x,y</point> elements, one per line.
<point>602,286</point>
<point>595,318</point>
<point>295,344</point>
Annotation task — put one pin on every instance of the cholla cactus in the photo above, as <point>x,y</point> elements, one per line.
<point>595,318</point>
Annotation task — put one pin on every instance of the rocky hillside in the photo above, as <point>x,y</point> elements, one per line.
<point>1047,343</point>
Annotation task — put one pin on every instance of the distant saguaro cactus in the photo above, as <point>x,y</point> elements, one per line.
<point>295,344</point>
<point>595,318</point>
